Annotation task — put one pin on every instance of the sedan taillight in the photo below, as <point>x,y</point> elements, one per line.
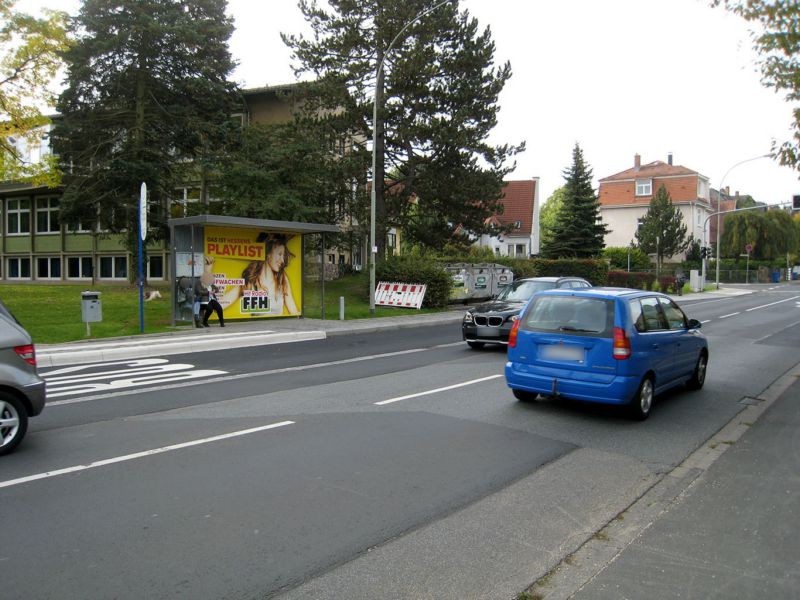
<point>26,353</point>
<point>512,335</point>
<point>622,345</point>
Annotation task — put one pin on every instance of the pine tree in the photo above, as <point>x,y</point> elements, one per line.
<point>437,102</point>
<point>147,100</point>
<point>662,231</point>
<point>578,231</point>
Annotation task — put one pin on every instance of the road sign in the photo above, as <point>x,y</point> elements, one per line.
<point>748,248</point>
<point>143,211</point>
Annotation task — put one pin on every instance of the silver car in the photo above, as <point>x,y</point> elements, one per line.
<point>22,391</point>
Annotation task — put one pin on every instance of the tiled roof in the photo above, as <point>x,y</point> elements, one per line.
<point>517,201</point>
<point>654,169</point>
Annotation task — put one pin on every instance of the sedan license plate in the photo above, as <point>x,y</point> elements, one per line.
<point>563,352</point>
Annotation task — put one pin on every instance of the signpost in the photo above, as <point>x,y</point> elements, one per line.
<point>142,235</point>
<point>748,249</point>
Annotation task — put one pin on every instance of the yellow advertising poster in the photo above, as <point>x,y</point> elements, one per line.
<point>255,273</point>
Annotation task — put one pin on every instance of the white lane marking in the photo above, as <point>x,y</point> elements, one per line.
<point>772,303</point>
<point>225,378</point>
<point>706,321</point>
<point>127,457</point>
<point>442,389</point>
<point>769,335</point>
<point>730,315</point>
<point>698,302</point>
<point>82,379</point>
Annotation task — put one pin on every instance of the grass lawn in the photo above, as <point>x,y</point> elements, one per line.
<point>52,312</point>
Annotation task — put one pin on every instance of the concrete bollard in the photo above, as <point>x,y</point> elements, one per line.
<point>341,308</point>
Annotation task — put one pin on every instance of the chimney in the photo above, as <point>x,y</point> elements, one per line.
<point>669,158</point>
<point>637,161</point>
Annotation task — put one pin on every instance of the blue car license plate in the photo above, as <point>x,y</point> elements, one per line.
<point>562,352</point>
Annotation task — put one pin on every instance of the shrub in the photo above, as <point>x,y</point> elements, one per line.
<point>637,280</point>
<point>415,270</point>
<point>618,258</point>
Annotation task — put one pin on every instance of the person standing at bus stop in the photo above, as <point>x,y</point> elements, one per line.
<point>213,305</point>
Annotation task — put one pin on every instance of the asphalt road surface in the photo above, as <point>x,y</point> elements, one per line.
<point>363,466</point>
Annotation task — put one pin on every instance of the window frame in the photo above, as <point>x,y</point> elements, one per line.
<point>641,185</point>
<point>19,260</point>
<point>51,260</point>
<point>50,213</point>
<point>18,212</point>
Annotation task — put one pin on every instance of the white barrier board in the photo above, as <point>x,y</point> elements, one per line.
<point>406,295</point>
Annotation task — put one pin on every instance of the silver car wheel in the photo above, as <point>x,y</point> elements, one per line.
<point>13,424</point>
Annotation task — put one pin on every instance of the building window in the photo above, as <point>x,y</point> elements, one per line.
<point>18,218</point>
<point>644,187</point>
<point>47,215</point>
<point>113,267</point>
<point>391,240</point>
<point>48,267</point>
<point>19,268</point>
<point>79,267</point>
<point>517,224</point>
<point>155,267</point>
<point>517,250</point>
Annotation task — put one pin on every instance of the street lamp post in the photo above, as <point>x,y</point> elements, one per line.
<point>373,249</point>
<point>719,212</point>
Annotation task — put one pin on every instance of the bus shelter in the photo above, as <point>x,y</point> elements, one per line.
<point>259,268</point>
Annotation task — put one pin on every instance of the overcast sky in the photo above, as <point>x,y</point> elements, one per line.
<point>618,77</point>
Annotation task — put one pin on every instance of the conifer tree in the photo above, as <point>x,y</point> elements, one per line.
<point>437,102</point>
<point>662,231</point>
<point>147,100</point>
<point>578,231</point>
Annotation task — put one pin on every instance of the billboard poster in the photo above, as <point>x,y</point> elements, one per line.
<point>256,273</point>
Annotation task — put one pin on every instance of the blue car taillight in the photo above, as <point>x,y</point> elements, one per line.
<point>622,345</point>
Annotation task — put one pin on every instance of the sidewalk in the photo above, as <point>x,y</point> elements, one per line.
<point>724,524</point>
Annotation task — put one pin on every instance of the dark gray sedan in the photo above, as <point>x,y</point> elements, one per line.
<point>490,322</point>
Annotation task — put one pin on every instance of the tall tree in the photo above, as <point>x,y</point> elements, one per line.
<point>777,39</point>
<point>548,216</point>
<point>286,172</point>
<point>147,100</point>
<point>578,231</point>
<point>772,234</point>
<point>437,102</point>
<point>662,231</point>
<point>30,50</point>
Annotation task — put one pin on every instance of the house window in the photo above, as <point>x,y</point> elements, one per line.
<point>517,224</point>
<point>392,240</point>
<point>19,268</point>
<point>155,267</point>
<point>517,250</point>
<point>79,267</point>
<point>18,218</point>
<point>47,215</point>
<point>113,267</point>
<point>48,267</point>
<point>331,258</point>
<point>639,223</point>
<point>644,187</point>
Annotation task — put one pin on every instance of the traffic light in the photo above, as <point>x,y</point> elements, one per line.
<point>795,202</point>
<point>703,252</point>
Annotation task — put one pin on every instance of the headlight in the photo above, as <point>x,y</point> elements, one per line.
<point>468,317</point>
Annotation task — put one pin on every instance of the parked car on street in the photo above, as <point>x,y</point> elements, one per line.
<point>22,391</point>
<point>608,345</point>
<point>490,322</point>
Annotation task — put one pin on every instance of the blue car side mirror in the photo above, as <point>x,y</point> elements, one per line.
<point>695,324</point>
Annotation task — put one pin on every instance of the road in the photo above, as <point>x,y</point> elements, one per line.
<point>361,466</point>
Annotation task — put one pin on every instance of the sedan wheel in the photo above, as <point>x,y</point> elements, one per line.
<point>13,423</point>
<point>643,400</point>
<point>699,376</point>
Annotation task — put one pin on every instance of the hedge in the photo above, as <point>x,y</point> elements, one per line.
<point>402,269</point>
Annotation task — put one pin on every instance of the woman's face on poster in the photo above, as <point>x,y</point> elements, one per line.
<point>277,257</point>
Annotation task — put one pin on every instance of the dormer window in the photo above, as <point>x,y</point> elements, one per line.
<point>517,224</point>
<point>644,187</point>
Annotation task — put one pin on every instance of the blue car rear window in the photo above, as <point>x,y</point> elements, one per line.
<point>570,315</point>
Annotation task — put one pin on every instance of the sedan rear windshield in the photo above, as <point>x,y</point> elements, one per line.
<point>570,315</point>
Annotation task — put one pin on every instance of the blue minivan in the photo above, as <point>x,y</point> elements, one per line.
<point>608,345</point>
